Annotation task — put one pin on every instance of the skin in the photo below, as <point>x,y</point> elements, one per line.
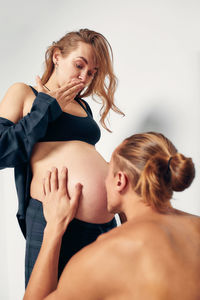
<point>151,256</point>
<point>71,74</point>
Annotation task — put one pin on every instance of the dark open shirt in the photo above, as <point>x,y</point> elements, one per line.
<point>16,145</point>
<point>45,122</point>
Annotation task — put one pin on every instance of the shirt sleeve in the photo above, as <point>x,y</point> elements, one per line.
<point>17,140</point>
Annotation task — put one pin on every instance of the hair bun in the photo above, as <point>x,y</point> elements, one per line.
<point>182,172</point>
<point>154,184</point>
<point>154,167</point>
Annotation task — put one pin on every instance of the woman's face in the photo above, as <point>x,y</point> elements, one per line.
<point>79,64</point>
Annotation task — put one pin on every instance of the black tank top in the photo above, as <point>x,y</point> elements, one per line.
<point>68,127</point>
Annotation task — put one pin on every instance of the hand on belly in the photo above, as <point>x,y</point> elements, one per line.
<point>85,165</point>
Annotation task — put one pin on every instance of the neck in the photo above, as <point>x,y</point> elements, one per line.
<point>135,208</point>
<point>52,83</point>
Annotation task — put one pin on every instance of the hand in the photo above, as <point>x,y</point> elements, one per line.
<point>58,208</point>
<point>65,94</point>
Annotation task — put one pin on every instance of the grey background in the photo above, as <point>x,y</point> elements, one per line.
<point>156,49</point>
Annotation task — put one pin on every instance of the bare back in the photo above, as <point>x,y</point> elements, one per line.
<point>157,258</point>
<point>154,258</point>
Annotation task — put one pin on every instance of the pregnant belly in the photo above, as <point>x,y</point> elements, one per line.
<point>85,165</point>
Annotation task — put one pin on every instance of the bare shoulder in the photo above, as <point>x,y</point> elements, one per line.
<point>19,90</point>
<point>129,238</point>
<point>133,241</point>
<point>193,220</point>
<point>98,253</point>
<point>105,267</point>
<point>11,106</point>
<point>109,267</point>
<point>141,230</point>
<point>192,217</point>
<point>90,269</point>
<point>124,253</point>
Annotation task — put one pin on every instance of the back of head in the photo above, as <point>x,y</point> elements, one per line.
<point>154,168</point>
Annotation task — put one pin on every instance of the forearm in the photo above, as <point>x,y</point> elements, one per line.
<point>44,276</point>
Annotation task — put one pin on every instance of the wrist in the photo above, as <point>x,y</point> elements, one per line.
<point>54,231</point>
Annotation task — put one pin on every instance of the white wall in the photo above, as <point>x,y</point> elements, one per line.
<point>156,49</point>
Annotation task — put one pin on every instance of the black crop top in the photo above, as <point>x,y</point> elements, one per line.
<point>70,127</point>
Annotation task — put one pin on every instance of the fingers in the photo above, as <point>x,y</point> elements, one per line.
<point>43,189</point>
<point>70,84</point>
<point>47,183</point>
<point>54,182</point>
<point>63,180</point>
<point>40,87</point>
<point>76,196</point>
<point>68,93</point>
<point>50,181</point>
<point>73,91</point>
<point>54,179</point>
<point>78,190</point>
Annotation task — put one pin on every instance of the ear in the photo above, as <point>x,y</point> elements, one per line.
<point>121,181</point>
<point>56,55</point>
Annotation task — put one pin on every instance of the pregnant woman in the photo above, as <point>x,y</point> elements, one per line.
<point>51,125</point>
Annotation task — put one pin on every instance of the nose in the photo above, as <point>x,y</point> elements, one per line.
<point>83,76</point>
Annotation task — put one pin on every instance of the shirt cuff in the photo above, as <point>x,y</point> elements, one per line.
<point>44,101</point>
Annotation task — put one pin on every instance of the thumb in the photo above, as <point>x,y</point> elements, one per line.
<point>40,87</point>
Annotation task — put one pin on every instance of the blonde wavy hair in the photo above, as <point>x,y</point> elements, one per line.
<point>104,82</point>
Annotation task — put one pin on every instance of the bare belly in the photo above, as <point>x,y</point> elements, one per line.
<point>85,165</point>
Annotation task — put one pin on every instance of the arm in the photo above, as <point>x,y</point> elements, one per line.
<point>18,139</point>
<point>79,279</point>
<point>44,277</point>
<point>86,274</point>
<point>59,210</point>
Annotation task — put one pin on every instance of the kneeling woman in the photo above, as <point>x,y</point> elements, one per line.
<point>50,125</point>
